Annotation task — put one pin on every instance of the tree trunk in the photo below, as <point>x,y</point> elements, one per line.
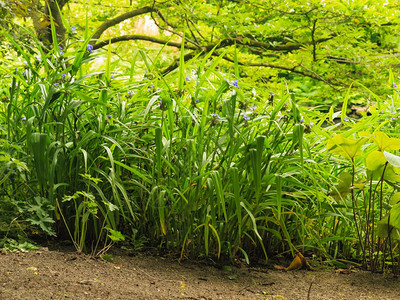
<point>43,25</point>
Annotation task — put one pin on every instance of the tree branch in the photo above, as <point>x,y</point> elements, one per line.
<point>293,69</point>
<point>103,27</point>
<point>221,44</point>
<point>142,38</point>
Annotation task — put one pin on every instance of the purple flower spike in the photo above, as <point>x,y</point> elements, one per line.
<point>90,48</point>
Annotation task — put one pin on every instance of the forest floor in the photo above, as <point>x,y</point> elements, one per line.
<point>45,274</point>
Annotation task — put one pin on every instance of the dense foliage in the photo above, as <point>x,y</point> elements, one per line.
<point>233,149</point>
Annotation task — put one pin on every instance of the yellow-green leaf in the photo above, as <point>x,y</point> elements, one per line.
<point>394,160</point>
<point>343,187</point>
<point>395,198</point>
<point>384,142</point>
<point>391,174</point>
<point>384,226</point>
<point>345,147</point>
<point>375,160</point>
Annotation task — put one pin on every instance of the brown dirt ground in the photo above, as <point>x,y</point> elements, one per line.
<point>48,274</point>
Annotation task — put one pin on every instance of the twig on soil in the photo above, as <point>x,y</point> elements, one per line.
<point>153,277</point>
<point>309,289</point>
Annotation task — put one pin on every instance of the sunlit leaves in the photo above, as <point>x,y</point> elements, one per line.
<point>375,163</point>
<point>392,159</point>
<point>345,147</point>
<point>384,142</point>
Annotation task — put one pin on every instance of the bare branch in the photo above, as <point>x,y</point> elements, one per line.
<point>293,69</point>
<point>142,38</point>
<point>103,27</point>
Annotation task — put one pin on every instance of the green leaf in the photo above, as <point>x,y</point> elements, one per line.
<point>384,142</point>
<point>391,174</point>
<point>384,227</point>
<point>395,198</point>
<point>375,160</point>
<point>343,187</point>
<point>395,216</point>
<point>115,235</point>
<point>345,147</point>
<point>394,160</point>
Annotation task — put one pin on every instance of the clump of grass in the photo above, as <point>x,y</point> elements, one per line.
<point>194,161</point>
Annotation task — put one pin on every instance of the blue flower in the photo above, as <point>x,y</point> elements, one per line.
<point>152,85</point>
<point>253,108</point>
<point>197,100</point>
<point>215,116</point>
<point>60,47</point>
<point>187,78</point>
<point>394,85</point>
<point>130,93</point>
<point>311,123</point>
<point>345,119</point>
<point>271,93</point>
<point>73,29</point>
<point>112,77</point>
<point>56,84</point>
<point>64,75</point>
<point>246,118</point>
<point>109,116</point>
<point>90,48</point>
<point>235,83</point>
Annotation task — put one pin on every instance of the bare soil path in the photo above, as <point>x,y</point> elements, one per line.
<point>48,274</point>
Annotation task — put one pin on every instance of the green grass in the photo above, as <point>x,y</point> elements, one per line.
<point>194,162</point>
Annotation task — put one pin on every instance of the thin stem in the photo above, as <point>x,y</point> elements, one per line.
<point>354,205</point>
